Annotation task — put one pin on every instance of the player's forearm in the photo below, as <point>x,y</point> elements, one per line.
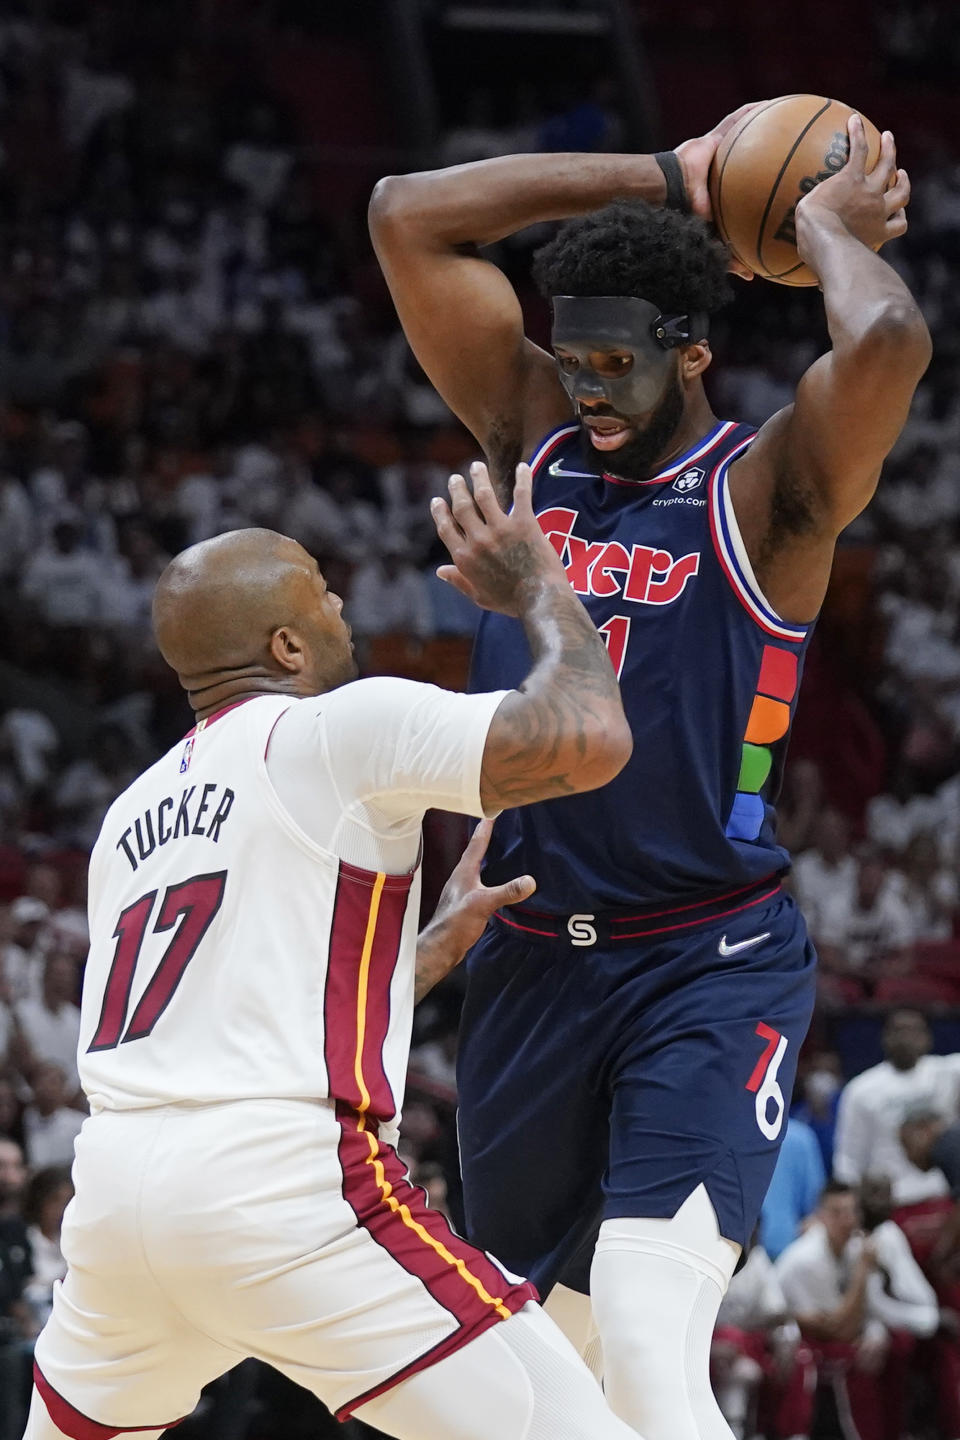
<point>564,730</point>
<point>869,308</point>
<point>437,955</point>
<point>480,203</point>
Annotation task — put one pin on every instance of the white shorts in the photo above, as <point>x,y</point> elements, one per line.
<point>284,1231</point>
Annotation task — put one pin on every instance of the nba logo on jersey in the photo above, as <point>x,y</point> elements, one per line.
<point>187,753</point>
<point>689,480</point>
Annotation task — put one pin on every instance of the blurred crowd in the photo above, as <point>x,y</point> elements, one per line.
<point>194,337</point>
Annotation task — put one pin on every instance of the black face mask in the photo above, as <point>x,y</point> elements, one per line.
<point>648,397</point>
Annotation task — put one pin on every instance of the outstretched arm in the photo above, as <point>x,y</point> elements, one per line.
<point>563,730</point>
<point>815,465</point>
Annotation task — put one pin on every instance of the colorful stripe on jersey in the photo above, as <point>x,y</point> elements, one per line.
<point>769,722</point>
<point>734,560</point>
<point>474,1291</point>
<point>368,914</point>
<point>79,1426</point>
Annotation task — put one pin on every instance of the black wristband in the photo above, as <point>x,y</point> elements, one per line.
<point>676,198</point>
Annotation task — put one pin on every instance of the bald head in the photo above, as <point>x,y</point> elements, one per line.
<point>248,612</point>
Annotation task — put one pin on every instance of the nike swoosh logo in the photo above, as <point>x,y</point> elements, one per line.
<point>554,469</point>
<point>726,949</point>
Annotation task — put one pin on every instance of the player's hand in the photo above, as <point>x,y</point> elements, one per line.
<point>498,558</point>
<point>462,912</point>
<point>871,206</point>
<point>696,157</point>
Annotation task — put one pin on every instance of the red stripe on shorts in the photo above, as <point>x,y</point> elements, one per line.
<point>81,1427</point>
<point>395,1214</point>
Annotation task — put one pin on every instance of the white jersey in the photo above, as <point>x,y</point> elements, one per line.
<point>238,954</point>
<point>871,1110</point>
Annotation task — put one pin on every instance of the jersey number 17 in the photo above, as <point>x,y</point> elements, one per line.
<point>188,910</point>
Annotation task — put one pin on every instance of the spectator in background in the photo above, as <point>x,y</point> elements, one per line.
<point>799,806</point>
<point>47,1195</point>
<point>873,1105</point>
<point>756,1346</point>
<point>795,1188</point>
<point>894,818</point>
<point>16,526</point>
<point>865,934</point>
<point>260,163</point>
<point>821,1082</point>
<point>826,874</point>
<point>930,890</point>
<point>931,1142</point>
<point>62,581</point>
<point>50,1126</point>
<point>15,1272</point>
<point>89,786</point>
<point>50,1025</point>
<point>831,1282</point>
<point>389,596</point>
<point>408,485</point>
<point>21,958</point>
<point>897,1291</point>
<point>11,1127</point>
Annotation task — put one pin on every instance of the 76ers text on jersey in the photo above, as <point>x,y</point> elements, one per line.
<point>647,576</point>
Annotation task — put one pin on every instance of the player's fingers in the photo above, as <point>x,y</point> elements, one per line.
<point>447,528</point>
<point>511,893</point>
<point>898,194</point>
<point>478,842</point>
<point>858,144</point>
<point>886,167</point>
<point>451,575</point>
<point>462,504</point>
<point>523,491</point>
<point>896,225</point>
<point>483,491</point>
<point>737,267</point>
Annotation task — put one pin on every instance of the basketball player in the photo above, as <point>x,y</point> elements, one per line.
<point>247,1008</point>
<point>629,1045</point>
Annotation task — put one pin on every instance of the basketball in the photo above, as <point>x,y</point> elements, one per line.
<point>764,167</point>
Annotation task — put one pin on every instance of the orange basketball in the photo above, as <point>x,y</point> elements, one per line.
<point>763,168</point>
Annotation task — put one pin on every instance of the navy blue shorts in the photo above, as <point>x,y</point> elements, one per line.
<point>612,1078</point>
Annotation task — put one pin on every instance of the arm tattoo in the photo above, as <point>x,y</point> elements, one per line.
<point>542,733</point>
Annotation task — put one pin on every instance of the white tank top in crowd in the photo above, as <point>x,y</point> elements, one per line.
<point>254,900</point>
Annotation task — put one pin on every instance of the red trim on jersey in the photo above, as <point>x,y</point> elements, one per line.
<point>690,458</point>
<point>551,440</point>
<point>529,930</point>
<point>266,748</point>
<point>613,918</point>
<point>348,934</point>
<point>460,1278</point>
<point>694,905</point>
<point>685,924</point>
<point>218,714</point>
<point>81,1427</point>
<point>732,579</point>
<point>440,1351</point>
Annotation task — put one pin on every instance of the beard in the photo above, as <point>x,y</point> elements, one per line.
<point>636,459</point>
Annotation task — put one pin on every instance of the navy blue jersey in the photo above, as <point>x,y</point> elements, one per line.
<point>709,674</point>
